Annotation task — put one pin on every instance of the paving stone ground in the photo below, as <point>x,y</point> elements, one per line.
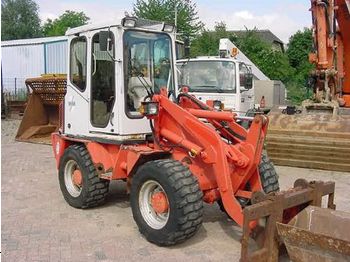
<point>38,225</point>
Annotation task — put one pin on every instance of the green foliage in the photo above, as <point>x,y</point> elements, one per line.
<point>299,47</point>
<point>188,23</point>
<point>207,43</point>
<point>68,19</point>
<point>19,19</point>
<point>274,64</point>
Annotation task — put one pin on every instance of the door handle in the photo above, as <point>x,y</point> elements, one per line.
<point>111,118</point>
<point>94,72</point>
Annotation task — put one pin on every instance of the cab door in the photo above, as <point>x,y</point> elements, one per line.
<point>76,101</point>
<point>246,96</point>
<point>102,84</point>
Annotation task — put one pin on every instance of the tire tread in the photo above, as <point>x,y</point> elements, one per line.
<point>188,200</point>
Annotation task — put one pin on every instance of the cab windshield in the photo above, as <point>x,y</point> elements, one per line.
<point>148,62</point>
<point>208,76</point>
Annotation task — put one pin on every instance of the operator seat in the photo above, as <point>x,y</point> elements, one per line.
<point>137,92</point>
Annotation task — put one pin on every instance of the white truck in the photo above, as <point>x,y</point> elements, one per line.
<point>227,78</point>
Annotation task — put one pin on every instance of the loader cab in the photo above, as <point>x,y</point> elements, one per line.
<point>112,69</point>
<point>213,78</point>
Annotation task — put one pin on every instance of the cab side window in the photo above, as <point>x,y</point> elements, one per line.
<point>78,62</point>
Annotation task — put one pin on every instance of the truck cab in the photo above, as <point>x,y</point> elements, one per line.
<point>223,79</point>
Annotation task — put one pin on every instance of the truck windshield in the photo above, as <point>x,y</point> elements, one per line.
<point>208,76</point>
<point>148,62</point>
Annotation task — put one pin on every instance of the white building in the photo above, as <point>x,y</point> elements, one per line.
<point>27,58</point>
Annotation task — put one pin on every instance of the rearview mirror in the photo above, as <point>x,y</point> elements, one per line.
<point>103,40</point>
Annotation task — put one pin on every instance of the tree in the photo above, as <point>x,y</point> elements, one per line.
<point>274,64</point>
<point>68,19</point>
<point>299,46</point>
<point>19,19</point>
<point>207,43</point>
<point>188,23</point>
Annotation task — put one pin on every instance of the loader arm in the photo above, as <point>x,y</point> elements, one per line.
<point>230,166</point>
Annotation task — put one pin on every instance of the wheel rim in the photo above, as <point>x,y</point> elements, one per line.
<point>154,219</point>
<point>71,178</point>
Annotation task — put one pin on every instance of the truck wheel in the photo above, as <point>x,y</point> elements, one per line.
<point>268,175</point>
<point>79,182</point>
<point>166,202</point>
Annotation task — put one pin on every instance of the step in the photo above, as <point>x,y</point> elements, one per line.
<point>310,157</point>
<point>308,133</point>
<point>337,143</point>
<point>309,150</point>
<point>311,164</point>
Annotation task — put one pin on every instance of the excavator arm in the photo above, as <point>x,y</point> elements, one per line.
<point>331,56</point>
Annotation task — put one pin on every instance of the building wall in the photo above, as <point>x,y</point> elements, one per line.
<point>273,91</point>
<point>56,57</point>
<point>22,59</point>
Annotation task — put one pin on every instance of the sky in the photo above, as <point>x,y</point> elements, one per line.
<point>282,17</point>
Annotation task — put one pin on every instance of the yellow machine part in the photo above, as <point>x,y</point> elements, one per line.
<point>315,139</point>
<point>41,116</point>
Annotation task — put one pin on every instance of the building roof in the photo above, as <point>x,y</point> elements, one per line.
<point>33,41</point>
<point>265,35</point>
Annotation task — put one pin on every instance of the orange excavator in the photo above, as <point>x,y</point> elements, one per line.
<point>317,135</point>
<point>331,27</point>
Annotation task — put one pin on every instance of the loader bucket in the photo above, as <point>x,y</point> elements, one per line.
<point>317,234</point>
<point>315,137</point>
<point>41,116</point>
<point>280,207</point>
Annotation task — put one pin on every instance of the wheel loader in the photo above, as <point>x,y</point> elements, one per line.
<point>124,118</point>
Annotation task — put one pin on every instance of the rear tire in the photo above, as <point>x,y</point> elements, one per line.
<point>92,190</point>
<point>183,216</point>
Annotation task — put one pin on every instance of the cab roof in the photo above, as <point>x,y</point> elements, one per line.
<point>140,23</point>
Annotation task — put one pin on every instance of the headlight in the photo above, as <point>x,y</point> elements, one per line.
<point>218,105</point>
<point>129,21</point>
<point>149,108</point>
<point>168,28</point>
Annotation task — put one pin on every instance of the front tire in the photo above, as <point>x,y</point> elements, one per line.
<point>268,178</point>
<point>166,202</point>
<point>80,185</point>
<point>268,175</point>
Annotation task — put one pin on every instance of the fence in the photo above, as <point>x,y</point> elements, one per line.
<point>14,89</point>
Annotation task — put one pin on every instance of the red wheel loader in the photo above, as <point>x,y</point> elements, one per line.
<point>123,118</point>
